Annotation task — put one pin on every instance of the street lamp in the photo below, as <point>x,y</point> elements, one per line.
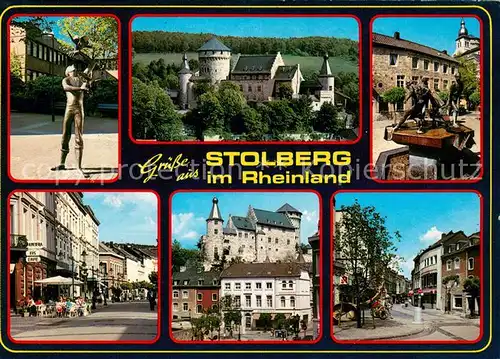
<point>51,59</point>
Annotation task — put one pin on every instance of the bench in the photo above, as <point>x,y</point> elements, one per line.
<point>108,108</point>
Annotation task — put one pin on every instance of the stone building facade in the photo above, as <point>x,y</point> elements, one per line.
<point>259,236</point>
<point>396,61</point>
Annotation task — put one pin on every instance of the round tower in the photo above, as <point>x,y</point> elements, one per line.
<point>215,61</point>
<point>184,77</point>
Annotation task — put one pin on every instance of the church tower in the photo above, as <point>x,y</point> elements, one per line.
<point>215,61</point>
<point>327,80</point>
<point>184,77</point>
<point>214,237</point>
<point>464,41</point>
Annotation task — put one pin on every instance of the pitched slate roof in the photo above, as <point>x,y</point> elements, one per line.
<point>242,223</point>
<point>383,40</point>
<point>256,270</point>
<point>285,73</point>
<point>288,208</point>
<point>325,70</point>
<point>214,45</point>
<point>215,212</point>
<point>192,275</point>
<point>273,219</point>
<point>227,230</point>
<point>254,64</point>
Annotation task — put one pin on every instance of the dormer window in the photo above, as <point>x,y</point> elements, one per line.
<point>457,246</point>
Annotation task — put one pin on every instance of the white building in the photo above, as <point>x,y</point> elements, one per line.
<point>273,288</point>
<point>427,275</point>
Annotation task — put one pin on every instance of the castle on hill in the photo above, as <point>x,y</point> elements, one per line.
<point>258,76</point>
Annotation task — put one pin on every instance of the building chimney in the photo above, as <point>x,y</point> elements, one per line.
<point>445,52</point>
<point>397,35</point>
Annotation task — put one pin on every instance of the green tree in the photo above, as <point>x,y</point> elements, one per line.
<point>280,117</point>
<point>475,98</point>
<point>394,96</point>
<point>101,30</point>
<point>285,91</point>
<point>153,278</point>
<point>265,320</point>
<point>444,95</point>
<point>472,286</point>
<point>181,256</point>
<point>211,113</point>
<point>255,128</point>
<point>279,321</point>
<point>363,239</point>
<point>450,282</point>
<point>468,74</point>
<point>327,119</point>
<point>194,65</point>
<point>231,313</point>
<point>293,325</point>
<point>153,114</point>
<point>15,65</point>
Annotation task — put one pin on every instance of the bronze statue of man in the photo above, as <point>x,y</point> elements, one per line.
<point>454,98</point>
<point>74,86</point>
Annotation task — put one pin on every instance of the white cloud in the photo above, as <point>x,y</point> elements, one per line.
<point>112,201</point>
<point>431,236</point>
<point>150,222</point>
<point>118,200</point>
<point>310,216</point>
<point>183,225</point>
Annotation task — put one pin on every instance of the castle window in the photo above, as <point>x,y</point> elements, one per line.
<point>393,59</point>
<point>445,84</point>
<point>414,63</point>
<point>452,70</point>
<point>426,65</point>
<point>259,88</point>
<point>436,84</point>
<point>445,69</point>
<point>400,81</point>
<point>239,234</point>
<point>216,222</point>
<point>288,242</point>
<point>268,239</point>
<point>216,231</point>
<point>249,88</point>
<point>471,264</point>
<point>436,67</point>
<point>246,235</point>
<point>276,240</point>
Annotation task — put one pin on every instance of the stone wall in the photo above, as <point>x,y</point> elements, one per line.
<point>215,65</point>
<point>385,75</point>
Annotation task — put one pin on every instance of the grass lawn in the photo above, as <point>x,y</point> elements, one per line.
<point>308,64</point>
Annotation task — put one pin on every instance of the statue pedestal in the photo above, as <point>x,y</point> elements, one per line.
<point>435,154</point>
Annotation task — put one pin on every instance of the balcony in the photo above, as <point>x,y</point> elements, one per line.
<point>18,242</point>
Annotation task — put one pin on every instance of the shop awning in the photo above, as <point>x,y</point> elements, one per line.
<point>58,280</point>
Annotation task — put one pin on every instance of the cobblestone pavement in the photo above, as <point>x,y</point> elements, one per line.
<point>117,321</point>
<point>35,147</point>
<point>436,326</point>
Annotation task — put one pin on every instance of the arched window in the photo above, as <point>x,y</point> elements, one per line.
<point>290,284</point>
<point>283,284</point>
<point>199,308</point>
<point>457,263</point>
<point>292,301</point>
<point>283,302</point>
<point>448,264</point>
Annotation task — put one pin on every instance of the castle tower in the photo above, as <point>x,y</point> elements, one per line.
<point>214,237</point>
<point>295,217</point>
<point>184,77</point>
<point>215,60</point>
<point>464,41</point>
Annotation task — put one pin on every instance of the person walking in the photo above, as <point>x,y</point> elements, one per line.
<point>151,299</point>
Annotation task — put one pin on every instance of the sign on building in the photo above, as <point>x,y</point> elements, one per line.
<point>344,280</point>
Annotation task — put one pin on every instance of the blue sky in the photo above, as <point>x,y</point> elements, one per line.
<point>420,217</point>
<point>437,32</point>
<point>190,210</point>
<point>125,216</point>
<point>251,26</point>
